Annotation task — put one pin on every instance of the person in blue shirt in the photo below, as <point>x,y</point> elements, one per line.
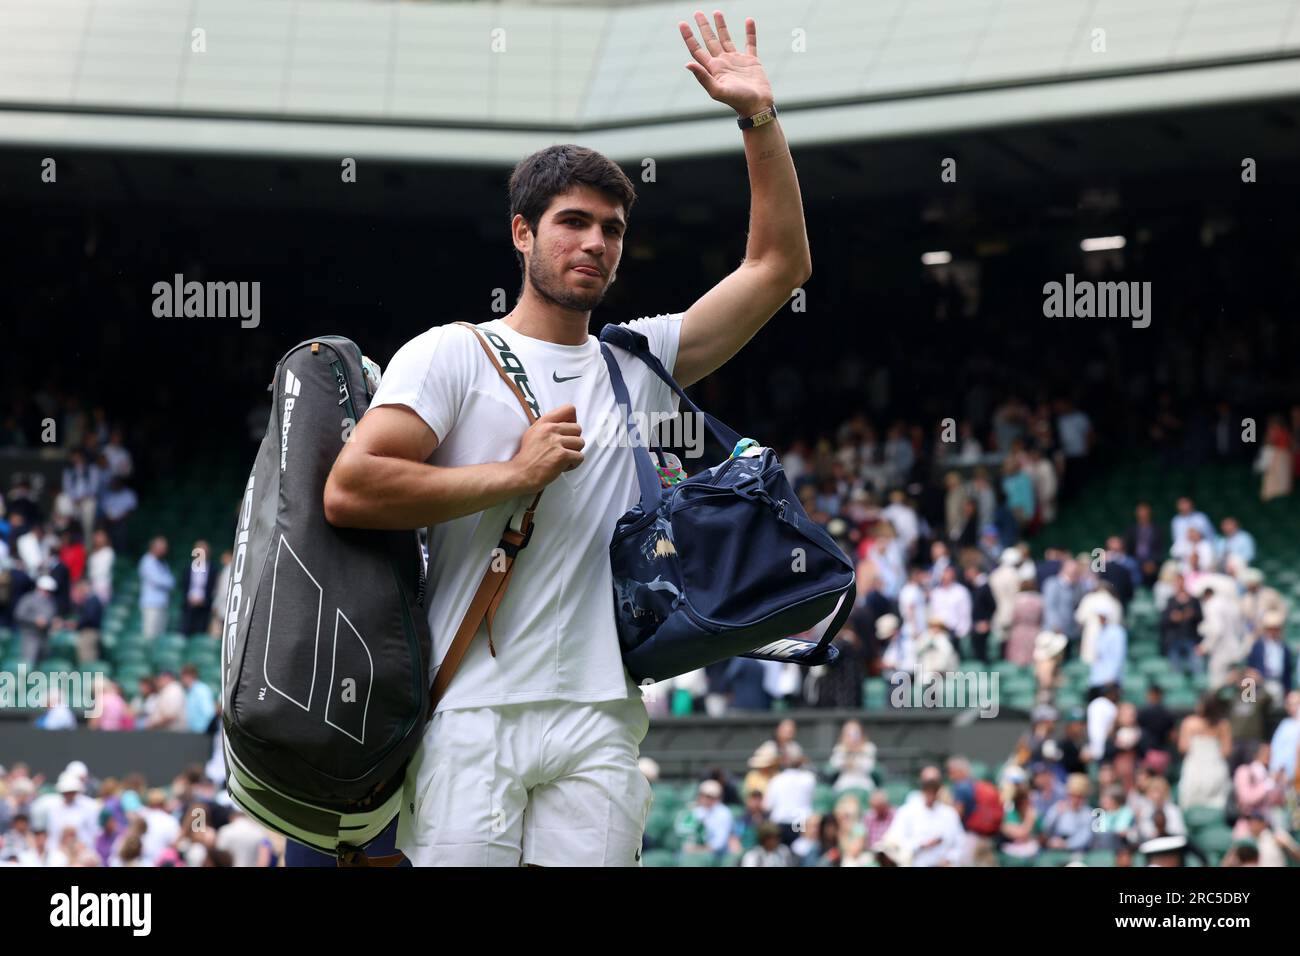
<point>1111,650</point>
<point>200,702</point>
<point>1235,543</point>
<point>156,583</point>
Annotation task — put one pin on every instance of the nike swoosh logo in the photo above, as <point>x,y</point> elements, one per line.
<point>567,378</point>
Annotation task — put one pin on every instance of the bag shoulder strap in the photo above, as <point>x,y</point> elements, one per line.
<point>492,588</point>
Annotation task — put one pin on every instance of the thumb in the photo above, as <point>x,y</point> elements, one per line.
<point>701,74</point>
<point>564,413</point>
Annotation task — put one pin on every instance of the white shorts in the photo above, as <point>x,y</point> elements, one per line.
<point>551,784</point>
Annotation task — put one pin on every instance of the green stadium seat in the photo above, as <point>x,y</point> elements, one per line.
<point>1202,818</point>
<point>1214,841</point>
<point>697,859</point>
<point>658,858</point>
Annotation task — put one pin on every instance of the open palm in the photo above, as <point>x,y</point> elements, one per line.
<point>728,75</point>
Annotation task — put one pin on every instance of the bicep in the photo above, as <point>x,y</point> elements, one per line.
<point>390,431</point>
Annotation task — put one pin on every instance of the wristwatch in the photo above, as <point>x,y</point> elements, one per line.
<point>761,118</point>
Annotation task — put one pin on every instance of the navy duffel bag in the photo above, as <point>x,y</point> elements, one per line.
<point>724,563</point>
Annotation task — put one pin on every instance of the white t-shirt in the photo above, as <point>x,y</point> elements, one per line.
<point>554,632</point>
<point>789,796</point>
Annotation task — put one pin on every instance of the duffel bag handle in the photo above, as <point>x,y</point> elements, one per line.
<point>646,475</point>
<point>638,345</point>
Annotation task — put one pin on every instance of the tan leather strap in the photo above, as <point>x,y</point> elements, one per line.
<point>487,599</point>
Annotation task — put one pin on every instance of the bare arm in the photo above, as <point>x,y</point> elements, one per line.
<point>381,480</point>
<point>777,258</point>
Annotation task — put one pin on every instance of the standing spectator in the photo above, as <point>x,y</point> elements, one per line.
<point>902,516</point>
<point>1101,714</point>
<point>926,828</point>
<point>1286,740</point>
<point>1095,604</point>
<point>156,583</point>
<point>200,702</point>
<point>34,549</point>
<point>1145,543</point>
<point>1026,621</point>
<point>1205,741</point>
<point>1004,582</point>
<point>34,614</point>
<point>1275,463</point>
<point>1111,652</point>
<point>1180,629</point>
<point>72,553</point>
<point>770,850</point>
<point>116,502</point>
<point>1049,652</point>
<point>1257,789</point>
<point>81,482</point>
<point>1271,658</point>
<point>199,586</point>
<point>1062,593</point>
<point>898,652</point>
<point>100,566</point>
<point>1075,430</point>
<point>1120,571</point>
<point>220,596</point>
<point>788,799</point>
<point>1156,721</point>
<point>87,616</point>
<point>1222,629</point>
<point>1042,473</point>
<point>913,605</point>
<point>1257,601</point>
<point>983,607</point>
<point>935,653</point>
<point>950,603</point>
<point>169,705</point>
<point>118,458</point>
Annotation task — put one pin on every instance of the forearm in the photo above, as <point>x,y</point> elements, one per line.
<point>777,233</point>
<point>383,493</point>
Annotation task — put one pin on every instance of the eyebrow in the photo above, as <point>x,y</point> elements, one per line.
<point>610,221</point>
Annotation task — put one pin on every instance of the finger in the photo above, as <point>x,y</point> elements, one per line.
<point>572,442</point>
<point>692,44</point>
<point>576,460</point>
<point>723,36</point>
<point>751,37</point>
<point>706,32</point>
<point>568,428</point>
<point>701,74</point>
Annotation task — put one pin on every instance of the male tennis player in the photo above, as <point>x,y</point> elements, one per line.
<point>531,756</point>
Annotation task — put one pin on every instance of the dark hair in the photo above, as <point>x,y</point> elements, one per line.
<point>547,173</point>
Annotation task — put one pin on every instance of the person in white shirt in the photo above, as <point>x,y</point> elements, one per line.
<point>168,711</point>
<point>925,828</point>
<point>1194,546</point>
<point>1004,582</point>
<point>531,755</point>
<point>1186,519</point>
<point>913,605</point>
<point>902,516</point>
<point>1101,714</point>
<point>242,838</point>
<point>788,798</point>
<point>74,809</point>
<point>99,566</point>
<point>950,603</point>
<point>34,550</point>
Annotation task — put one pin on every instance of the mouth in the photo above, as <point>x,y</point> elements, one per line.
<point>588,271</point>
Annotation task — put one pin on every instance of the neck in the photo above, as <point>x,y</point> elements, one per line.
<point>539,318</point>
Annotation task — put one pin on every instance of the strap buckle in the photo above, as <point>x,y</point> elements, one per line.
<point>512,550</point>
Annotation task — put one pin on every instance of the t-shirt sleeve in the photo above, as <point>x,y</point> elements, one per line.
<point>664,335</point>
<point>429,375</point>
